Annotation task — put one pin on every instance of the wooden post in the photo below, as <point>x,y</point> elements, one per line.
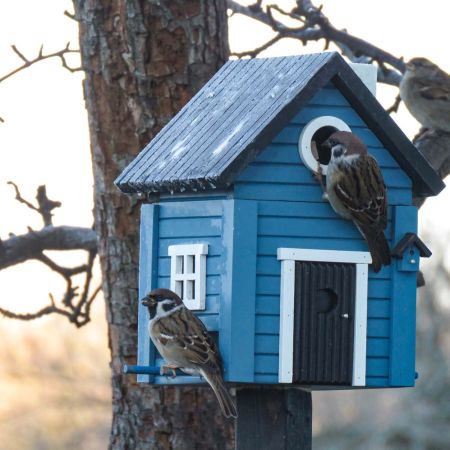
<point>273,419</point>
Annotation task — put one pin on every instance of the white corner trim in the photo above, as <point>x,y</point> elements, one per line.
<point>360,331</point>
<point>286,346</point>
<point>304,141</point>
<point>307,254</point>
<point>368,75</point>
<point>188,249</point>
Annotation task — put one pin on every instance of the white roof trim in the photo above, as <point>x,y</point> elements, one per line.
<point>188,249</point>
<point>306,254</point>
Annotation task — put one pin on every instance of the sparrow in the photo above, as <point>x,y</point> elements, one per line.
<point>184,343</point>
<point>425,89</point>
<point>356,191</point>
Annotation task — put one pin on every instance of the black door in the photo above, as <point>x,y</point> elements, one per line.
<point>324,323</point>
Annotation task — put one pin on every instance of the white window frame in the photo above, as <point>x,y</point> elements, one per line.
<point>179,278</point>
<point>288,256</point>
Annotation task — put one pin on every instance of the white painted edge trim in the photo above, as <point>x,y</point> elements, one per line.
<point>307,254</point>
<point>304,141</point>
<point>288,256</point>
<point>360,331</point>
<point>286,346</point>
<point>368,75</point>
<point>188,249</point>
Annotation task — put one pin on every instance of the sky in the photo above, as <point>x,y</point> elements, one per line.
<point>45,140</point>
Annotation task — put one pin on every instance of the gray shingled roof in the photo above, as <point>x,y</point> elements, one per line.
<point>238,112</point>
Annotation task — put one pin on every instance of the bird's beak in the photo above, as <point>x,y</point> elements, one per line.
<point>326,144</point>
<point>148,301</point>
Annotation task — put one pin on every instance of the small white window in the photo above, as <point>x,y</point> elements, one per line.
<point>188,273</point>
<point>311,138</point>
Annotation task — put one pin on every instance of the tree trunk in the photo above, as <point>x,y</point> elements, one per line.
<point>143,61</point>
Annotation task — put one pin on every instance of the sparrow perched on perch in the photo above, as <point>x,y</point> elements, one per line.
<point>425,89</point>
<point>356,191</point>
<point>183,341</point>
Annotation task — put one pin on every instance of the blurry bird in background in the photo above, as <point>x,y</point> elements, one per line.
<point>425,89</point>
<point>356,191</point>
<point>184,342</point>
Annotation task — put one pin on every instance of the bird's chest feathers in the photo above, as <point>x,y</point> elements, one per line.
<point>336,171</point>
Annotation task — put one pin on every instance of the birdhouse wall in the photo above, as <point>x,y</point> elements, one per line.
<point>275,203</point>
<point>228,227</point>
<point>170,223</point>
<point>291,213</point>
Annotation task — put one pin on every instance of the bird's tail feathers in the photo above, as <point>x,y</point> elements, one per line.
<point>379,250</point>
<point>223,396</point>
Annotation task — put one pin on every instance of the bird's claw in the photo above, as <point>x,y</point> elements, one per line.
<point>318,175</point>
<point>168,369</point>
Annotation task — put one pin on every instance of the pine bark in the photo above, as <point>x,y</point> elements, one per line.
<point>143,59</point>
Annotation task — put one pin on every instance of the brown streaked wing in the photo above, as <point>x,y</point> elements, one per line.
<point>191,335</point>
<point>435,93</point>
<point>362,191</point>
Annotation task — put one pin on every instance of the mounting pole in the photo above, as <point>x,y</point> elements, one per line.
<point>278,418</point>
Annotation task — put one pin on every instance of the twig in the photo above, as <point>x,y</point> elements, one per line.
<point>61,54</point>
<point>45,205</point>
<point>315,26</point>
<point>65,272</point>
<point>255,52</point>
<point>18,249</point>
<point>395,105</point>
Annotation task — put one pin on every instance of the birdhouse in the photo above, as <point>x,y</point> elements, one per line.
<point>236,224</point>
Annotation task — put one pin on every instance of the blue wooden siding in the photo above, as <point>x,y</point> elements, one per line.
<point>340,236</point>
<point>403,307</point>
<point>148,269</point>
<point>291,213</point>
<point>188,221</point>
<point>237,315</point>
<point>278,173</point>
<point>276,203</point>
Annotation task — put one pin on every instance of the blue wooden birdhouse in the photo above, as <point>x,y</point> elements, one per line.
<point>235,223</point>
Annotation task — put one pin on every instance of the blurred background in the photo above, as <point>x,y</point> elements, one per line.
<point>54,378</point>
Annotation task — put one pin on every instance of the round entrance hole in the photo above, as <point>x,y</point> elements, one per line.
<point>326,300</point>
<point>313,135</point>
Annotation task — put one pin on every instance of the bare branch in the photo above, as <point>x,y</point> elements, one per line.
<point>76,311</point>
<point>395,105</point>
<point>51,309</point>
<point>255,52</point>
<point>19,197</point>
<point>66,272</point>
<point>314,25</point>
<point>434,145</point>
<point>29,246</point>
<point>70,15</point>
<point>18,249</point>
<point>45,205</point>
<point>61,54</point>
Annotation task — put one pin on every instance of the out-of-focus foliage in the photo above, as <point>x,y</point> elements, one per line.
<point>54,385</point>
